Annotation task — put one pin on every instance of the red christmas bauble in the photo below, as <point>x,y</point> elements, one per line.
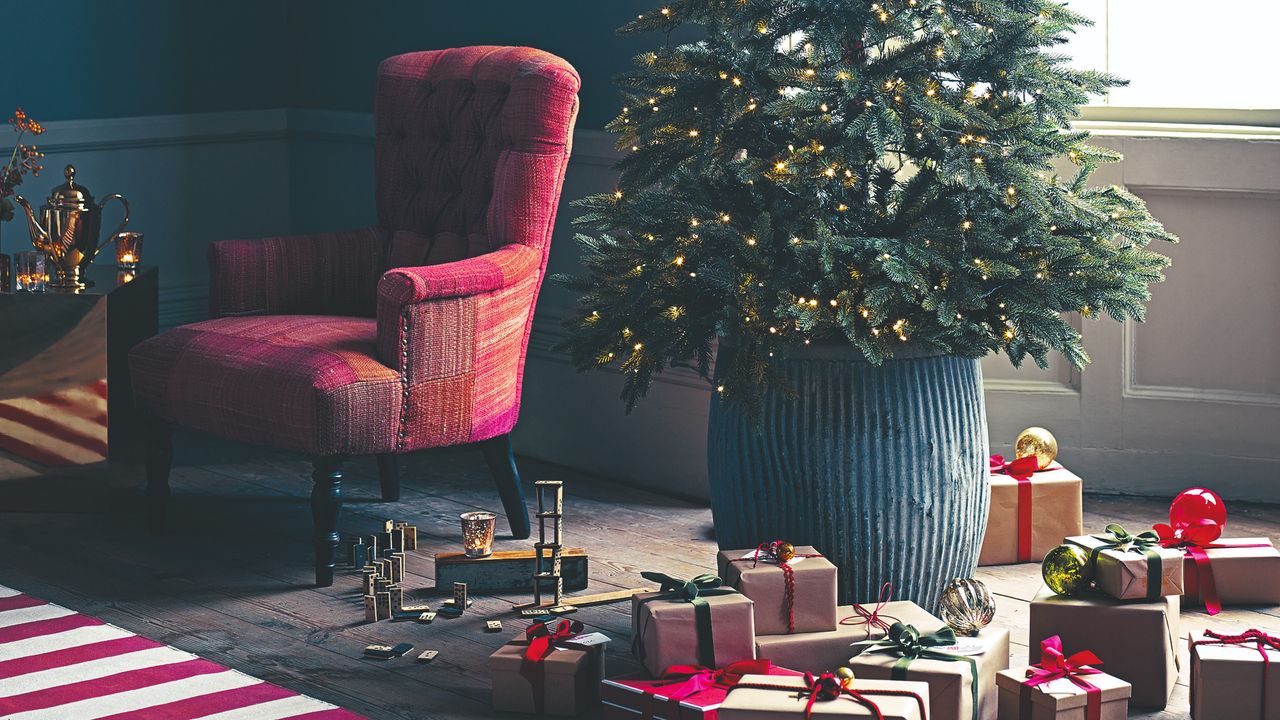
<point>1194,505</point>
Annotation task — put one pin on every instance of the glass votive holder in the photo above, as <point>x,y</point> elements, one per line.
<point>29,272</point>
<point>477,533</point>
<point>128,250</point>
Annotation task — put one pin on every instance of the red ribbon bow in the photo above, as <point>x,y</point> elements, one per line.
<point>692,679</point>
<point>1055,665</point>
<point>1259,640</point>
<point>1021,470</point>
<point>542,640</point>
<point>872,618</point>
<point>827,687</point>
<point>768,552</point>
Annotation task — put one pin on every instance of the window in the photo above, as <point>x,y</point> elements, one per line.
<point>1186,60</point>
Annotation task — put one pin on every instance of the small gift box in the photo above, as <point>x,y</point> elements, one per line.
<point>1062,687</point>
<point>684,692</point>
<point>1132,567</point>
<point>549,670</point>
<point>1234,676</point>
<point>691,622</point>
<point>824,651</point>
<point>961,673</point>
<point>759,697</point>
<point>1030,510</point>
<point>1136,638</point>
<point>792,595</point>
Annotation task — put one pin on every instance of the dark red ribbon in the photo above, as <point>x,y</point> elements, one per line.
<point>769,552</point>
<point>872,618</point>
<point>827,688</point>
<point>1259,640</point>
<point>1021,470</point>
<point>542,640</point>
<point>1055,665</point>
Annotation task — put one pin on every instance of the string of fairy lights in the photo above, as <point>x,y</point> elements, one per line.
<point>820,155</point>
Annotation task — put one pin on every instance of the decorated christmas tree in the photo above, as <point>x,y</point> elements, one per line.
<point>876,173</point>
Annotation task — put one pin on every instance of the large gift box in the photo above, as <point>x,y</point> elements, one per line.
<point>1234,571</point>
<point>1235,676</point>
<point>795,596</point>
<point>551,669</point>
<point>825,651</point>
<point>1132,567</point>
<point>1062,687</point>
<point>684,692</point>
<point>1136,639</point>
<point>961,672</point>
<point>760,697</point>
<point>691,622</point>
<point>1030,511</point>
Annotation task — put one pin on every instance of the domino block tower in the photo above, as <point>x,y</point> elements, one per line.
<point>546,559</point>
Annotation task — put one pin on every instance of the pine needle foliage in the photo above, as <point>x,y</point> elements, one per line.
<point>877,173</point>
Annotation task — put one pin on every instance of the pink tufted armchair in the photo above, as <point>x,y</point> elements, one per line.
<point>407,335</point>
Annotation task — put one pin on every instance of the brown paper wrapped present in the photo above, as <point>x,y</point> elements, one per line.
<point>1030,514</point>
<point>1245,571</point>
<point>554,672</point>
<point>691,622</point>
<point>1061,699</point>
<point>819,652</point>
<point>961,672</point>
<point>1136,639</point>
<point>1128,567</point>
<point>1235,676</point>
<point>768,697</point>
<point>809,607</point>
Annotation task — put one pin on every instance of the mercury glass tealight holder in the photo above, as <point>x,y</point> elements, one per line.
<point>477,533</point>
<point>29,272</point>
<point>128,250</point>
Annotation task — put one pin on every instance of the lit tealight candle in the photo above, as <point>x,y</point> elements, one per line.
<point>128,250</point>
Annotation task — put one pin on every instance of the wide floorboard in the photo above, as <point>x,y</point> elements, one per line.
<point>231,579</point>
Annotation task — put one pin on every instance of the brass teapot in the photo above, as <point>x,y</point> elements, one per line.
<point>67,229</point>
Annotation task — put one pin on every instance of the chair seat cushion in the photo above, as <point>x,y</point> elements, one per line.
<point>304,382</point>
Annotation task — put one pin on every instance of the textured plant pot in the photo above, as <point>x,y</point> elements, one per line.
<point>882,469</point>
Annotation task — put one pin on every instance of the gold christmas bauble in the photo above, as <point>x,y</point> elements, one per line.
<point>1066,569</point>
<point>1039,442</point>
<point>845,674</point>
<point>784,551</point>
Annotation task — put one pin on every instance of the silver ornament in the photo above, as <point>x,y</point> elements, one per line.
<point>967,606</point>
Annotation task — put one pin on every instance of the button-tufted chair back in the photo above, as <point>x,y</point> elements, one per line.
<point>472,145</point>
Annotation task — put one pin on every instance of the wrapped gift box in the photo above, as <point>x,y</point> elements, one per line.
<point>636,697</point>
<point>1061,699</point>
<point>1054,513</point>
<point>665,631</point>
<point>1136,639</point>
<point>565,682</point>
<point>787,703</point>
<point>1247,574</point>
<point>951,682</point>
<point>1123,573</point>
<point>1231,680</point>
<point>819,652</point>
<point>814,603</point>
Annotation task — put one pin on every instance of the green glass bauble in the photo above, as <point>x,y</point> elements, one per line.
<point>1066,569</point>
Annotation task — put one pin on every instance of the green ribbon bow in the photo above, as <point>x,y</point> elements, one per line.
<point>1147,543</point>
<point>694,591</point>
<point>910,644</point>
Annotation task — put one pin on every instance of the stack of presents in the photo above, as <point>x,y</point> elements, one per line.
<point>766,640</point>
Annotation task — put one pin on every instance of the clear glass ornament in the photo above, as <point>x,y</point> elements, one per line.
<point>967,606</point>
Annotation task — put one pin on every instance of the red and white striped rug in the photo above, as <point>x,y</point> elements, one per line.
<point>56,664</point>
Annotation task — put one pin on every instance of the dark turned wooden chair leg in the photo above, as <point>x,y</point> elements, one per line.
<point>502,463</point>
<point>389,476</point>
<point>159,461</point>
<point>326,507</point>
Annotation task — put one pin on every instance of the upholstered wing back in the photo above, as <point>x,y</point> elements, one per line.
<point>471,146</point>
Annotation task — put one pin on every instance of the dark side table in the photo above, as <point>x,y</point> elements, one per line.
<point>65,395</point>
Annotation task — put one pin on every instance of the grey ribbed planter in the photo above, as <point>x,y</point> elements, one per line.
<point>883,469</point>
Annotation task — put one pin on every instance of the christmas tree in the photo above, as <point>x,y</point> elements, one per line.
<point>876,173</point>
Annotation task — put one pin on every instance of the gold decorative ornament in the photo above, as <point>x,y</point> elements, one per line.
<point>1038,442</point>
<point>967,606</point>
<point>1066,569</point>
<point>845,675</point>
<point>784,551</point>
<point>66,229</point>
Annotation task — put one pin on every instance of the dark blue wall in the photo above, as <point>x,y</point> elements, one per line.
<point>73,59</point>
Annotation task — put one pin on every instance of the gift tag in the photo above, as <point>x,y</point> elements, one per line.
<point>587,640</point>
<point>964,646</point>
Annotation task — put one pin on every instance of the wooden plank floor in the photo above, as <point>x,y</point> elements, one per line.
<point>231,579</point>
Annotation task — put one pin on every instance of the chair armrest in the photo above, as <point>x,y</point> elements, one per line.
<point>325,273</point>
<point>434,301</point>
